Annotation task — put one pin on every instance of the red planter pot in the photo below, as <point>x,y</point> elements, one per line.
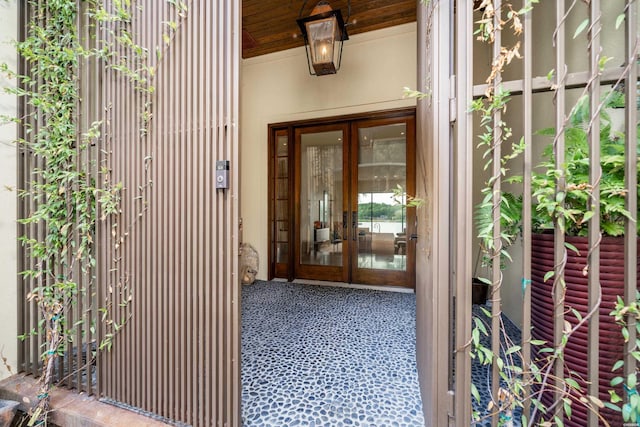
<point>542,307</point>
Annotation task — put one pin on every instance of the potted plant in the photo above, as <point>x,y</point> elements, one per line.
<point>572,211</point>
<point>510,228</point>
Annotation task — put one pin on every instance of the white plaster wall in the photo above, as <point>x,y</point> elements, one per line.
<point>278,88</point>
<point>8,258</point>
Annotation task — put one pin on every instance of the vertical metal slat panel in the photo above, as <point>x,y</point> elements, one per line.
<point>182,261</point>
<point>527,100</point>
<point>23,308</point>
<point>590,82</point>
<point>75,368</point>
<point>464,207</point>
<point>209,211</point>
<point>632,50</point>
<point>496,177</point>
<point>559,249</point>
<point>595,173</point>
<point>433,268</point>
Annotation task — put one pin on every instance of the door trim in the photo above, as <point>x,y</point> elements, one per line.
<point>379,276</point>
<point>345,120</point>
<point>312,271</point>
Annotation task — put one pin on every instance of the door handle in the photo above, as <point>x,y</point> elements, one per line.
<point>354,225</point>
<point>414,236</point>
<point>345,227</point>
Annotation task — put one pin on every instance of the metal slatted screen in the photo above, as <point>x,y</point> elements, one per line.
<point>167,259</point>
<point>174,249</point>
<point>433,303</point>
<point>577,57</point>
<point>76,368</point>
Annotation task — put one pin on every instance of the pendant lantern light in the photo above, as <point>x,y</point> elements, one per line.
<point>324,32</point>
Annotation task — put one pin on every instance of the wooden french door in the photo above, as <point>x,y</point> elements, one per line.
<point>351,181</point>
<point>321,200</point>
<point>382,169</point>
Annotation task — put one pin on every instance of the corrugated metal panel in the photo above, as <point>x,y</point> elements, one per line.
<point>179,354</point>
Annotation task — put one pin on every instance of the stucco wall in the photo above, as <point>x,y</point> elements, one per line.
<point>8,260</point>
<point>277,88</point>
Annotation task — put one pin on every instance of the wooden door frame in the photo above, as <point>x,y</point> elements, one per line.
<point>387,277</point>
<point>330,273</point>
<point>388,115</point>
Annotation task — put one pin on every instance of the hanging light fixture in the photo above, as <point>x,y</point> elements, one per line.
<point>322,31</point>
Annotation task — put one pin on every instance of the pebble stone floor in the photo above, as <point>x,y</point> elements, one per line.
<point>328,356</point>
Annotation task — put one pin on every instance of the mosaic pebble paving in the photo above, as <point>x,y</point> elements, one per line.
<point>327,356</point>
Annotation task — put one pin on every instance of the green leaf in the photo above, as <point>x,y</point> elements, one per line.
<point>484,280</point>
<point>572,383</point>
<point>587,216</point>
<point>619,364</point>
<point>617,381</point>
<point>577,314</point>
<point>513,349</point>
<point>611,406</point>
<point>619,20</point>
<point>634,400</point>
<point>631,381</point>
<point>626,412</point>
<point>613,396</point>
<point>548,275</point>
<point>410,93</point>
<point>550,75</point>
<point>566,403</point>
<point>572,247</point>
<point>581,28</point>
<point>475,393</point>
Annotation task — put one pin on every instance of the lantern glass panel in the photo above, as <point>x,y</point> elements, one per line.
<point>322,36</point>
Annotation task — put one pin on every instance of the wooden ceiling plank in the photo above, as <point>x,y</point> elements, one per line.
<point>273,24</point>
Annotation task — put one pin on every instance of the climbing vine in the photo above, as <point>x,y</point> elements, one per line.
<point>61,190</point>
<point>499,218</point>
<point>67,189</point>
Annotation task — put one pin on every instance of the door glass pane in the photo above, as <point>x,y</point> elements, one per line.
<point>281,146</point>
<point>281,226</point>
<point>321,198</point>
<point>382,168</point>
